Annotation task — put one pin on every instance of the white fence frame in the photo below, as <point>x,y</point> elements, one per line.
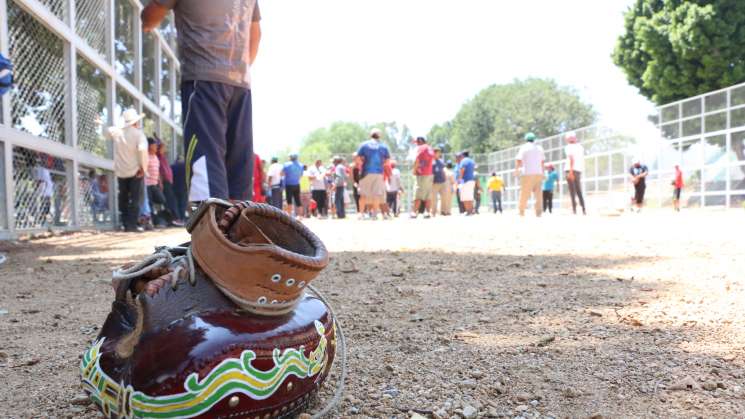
<point>74,45</point>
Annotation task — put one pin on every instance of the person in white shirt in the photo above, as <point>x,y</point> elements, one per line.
<point>392,189</point>
<point>130,165</point>
<point>529,167</point>
<point>575,167</point>
<point>274,179</point>
<point>317,175</point>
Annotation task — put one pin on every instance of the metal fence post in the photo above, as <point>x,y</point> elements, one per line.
<point>7,153</point>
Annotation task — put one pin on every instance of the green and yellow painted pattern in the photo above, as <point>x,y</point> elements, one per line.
<point>231,376</point>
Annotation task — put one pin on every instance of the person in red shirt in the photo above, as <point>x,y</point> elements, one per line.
<point>258,178</point>
<point>425,156</point>
<point>677,188</point>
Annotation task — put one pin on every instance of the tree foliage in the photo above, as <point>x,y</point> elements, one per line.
<point>673,49</point>
<point>344,138</point>
<point>499,116</point>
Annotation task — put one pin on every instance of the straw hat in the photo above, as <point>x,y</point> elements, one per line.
<point>131,117</point>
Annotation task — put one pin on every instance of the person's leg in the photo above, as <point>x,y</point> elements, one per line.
<point>239,160</point>
<point>288,198</point>
<point>499,201</point>
<point>205,106</point>
<point>339,202</point>
<point>550,197</point>
<point>447,200</point>
<point>572,191</point>
<point>578,190</point>
<point>524,194</point>
<point>181,201</point>
<point>124,198</point>
<point>545,201</point>
<point>325,199</point>
<point>170,197</point>
<point>536,186</point>
<point>136,186</point>
<point>315,194</point>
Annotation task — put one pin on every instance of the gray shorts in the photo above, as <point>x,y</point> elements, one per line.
<point>372,185</point>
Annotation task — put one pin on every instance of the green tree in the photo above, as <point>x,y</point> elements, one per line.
<point>439,135</point>
<point>673,49</point>
<point>499,116</point>
<point>344,138</point>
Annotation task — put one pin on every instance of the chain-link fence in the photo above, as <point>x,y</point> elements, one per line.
<point>38,105</point>
<point>56,170</point>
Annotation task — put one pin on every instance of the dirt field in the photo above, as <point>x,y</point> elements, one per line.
<point>641,315</point>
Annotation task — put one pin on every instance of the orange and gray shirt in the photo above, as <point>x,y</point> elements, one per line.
<point>214,38</point>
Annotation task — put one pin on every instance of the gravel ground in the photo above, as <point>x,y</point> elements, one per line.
<point>640,315</point>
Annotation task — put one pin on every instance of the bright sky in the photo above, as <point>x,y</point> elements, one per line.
<point>418,61</point>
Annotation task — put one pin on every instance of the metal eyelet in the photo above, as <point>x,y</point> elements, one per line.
<point>290,282</point>
<point>274,301</point>
<point>262,300</point>
<point>276,278</point>
<point>301,284</point>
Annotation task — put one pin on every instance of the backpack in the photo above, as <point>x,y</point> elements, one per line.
<point>6,75</point>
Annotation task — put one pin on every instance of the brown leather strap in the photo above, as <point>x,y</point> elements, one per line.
<point>262,258</point>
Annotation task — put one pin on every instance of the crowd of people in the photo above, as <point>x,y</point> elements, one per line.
<point>152,191</point>
<point>220,161</point>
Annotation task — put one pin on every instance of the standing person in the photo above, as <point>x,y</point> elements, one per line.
<point>356,183</point>
<point>317,176</point>
<point>153,183</point>
<point>477,195</point>
<point>100,194</point>
<point>450,189</point>
<point>178,168</point>
<point>638,174</point>
<point>439,183</point>
<point>166,181</point>
<point>371,156</point>
<point>424,177</point>
<point>291,173</point>
<point>393,187</point>
<point>340,185</point>
<point>305,196</point>
<point>258,179</point>
<point>495,186</point>
<point>130,164</point>
<point>575,167</point>
<point>217,43</point>
<point>467,182</point>
<point>461,207</point>
<point>529,166</point>
<point>549,183</point>
<point>678,185</point>
<point>45,186</point>
<point>274,175</point>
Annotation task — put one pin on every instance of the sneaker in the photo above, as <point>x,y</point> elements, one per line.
<point>246,269</point>
<point>427,216</point>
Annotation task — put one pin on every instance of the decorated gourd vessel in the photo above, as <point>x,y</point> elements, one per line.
<point>218,328</point>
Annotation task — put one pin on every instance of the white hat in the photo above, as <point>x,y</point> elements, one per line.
<point>376,131</point>
<point>131,117</point>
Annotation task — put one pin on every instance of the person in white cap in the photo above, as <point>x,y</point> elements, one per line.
<point>130,164</point>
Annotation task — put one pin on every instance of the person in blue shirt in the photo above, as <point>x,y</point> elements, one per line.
<point>372,157</point>
<point>291,174</point>
<point>549,183</point>
<point>467,181</point>
<point>439,183</point>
